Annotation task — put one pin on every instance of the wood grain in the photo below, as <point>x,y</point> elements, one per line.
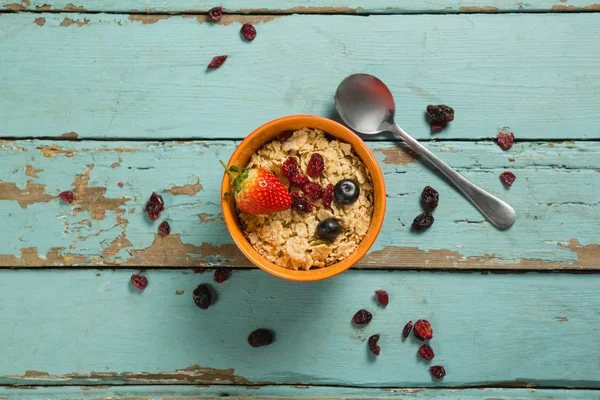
<point>531,73</point>
<point>555,195</point>
<point>304,6</point>
<point>285,392</point>
<point>82,327</point>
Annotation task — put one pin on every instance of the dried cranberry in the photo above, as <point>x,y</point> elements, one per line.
<point>199,270</point>
<point>260,337</point>
<point>430,196</point>
<point>440,113</point>
<point>300,203</point>
<point>215,13</point>
<point>154,206</point>
<point>248,32</point>
<point>382,297</point>
<point>315,166</point>
<point>67,196</point>
<point>313,190</point>
<point>327,196</point>
<point>221,275</point>
<point>426,352</point>
<point>202,296</point>
<point>407,329</point>
<point>507,178</point>
<point>139,281</point>
<point>289,167</point>
<point>120,184</point>
<point>437,126</point>
<point>423,330</point>
<point>422,221</point>
<point>506,140</point>
<point>298,179</point>
<point>285,136</point>
<point>216,62</point>
<point>164,228</point>
<point>362,317</point>
<point>375,349</point>
<point>437,371</point>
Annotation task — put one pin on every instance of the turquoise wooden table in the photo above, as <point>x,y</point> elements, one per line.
<point>101,92</point>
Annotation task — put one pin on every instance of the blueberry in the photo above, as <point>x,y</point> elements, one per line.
<point>346,191</point>
<point>328,229</point>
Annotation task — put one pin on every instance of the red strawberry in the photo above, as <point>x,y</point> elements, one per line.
<point>258,191</point>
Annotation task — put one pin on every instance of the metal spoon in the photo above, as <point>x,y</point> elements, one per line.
<point>366,105</point>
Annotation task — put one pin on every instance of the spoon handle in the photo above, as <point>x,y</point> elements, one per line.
<point>496,210</point>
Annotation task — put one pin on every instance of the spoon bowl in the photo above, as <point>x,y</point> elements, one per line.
<point>366,105</point>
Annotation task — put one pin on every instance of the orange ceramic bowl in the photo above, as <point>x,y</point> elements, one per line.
<point>267,133</point>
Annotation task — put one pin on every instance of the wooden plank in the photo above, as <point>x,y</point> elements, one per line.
<point>93,327</point>
<point>135,76</point>
<point>166,392</point>
<point>303,6</point>
<point>555,195</point>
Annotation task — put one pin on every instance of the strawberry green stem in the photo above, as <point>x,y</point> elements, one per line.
<point>231,175</point>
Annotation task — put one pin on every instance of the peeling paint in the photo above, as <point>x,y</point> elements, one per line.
<point>193,374</point>
<point>39,21</point>
<point>588,257</point>
<point>405,391</point>
<point>120,242</point>
<point>91,198</point>
<point>36,374</point>
<point>33,193</point>
<point>111,150</point>
<point>68,22</point>
<point>15,7</point>
<point>185,190</point>
<point>148,19</point>
<point>591,7</point>
<point>44,7</point>
<point>230,19</point>
<point>71,7</point>
<point>8,144</point>
<point>29,257</point>
<point>170,250</point>
<point>398,155</point>
<point>52,150</point>
<point>26,2</point>
<point>69,135</point>
<point>479,9</point>
<point>32,172</point>
<point>179,292</point>
<point>207,218</point>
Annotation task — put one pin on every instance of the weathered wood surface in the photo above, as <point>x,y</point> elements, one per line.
<point>63,74</point>
<point>555,196</point>
<point>93,327</point>
<point>303,6</point>
<point>284,392</point>
<point>86,327</point>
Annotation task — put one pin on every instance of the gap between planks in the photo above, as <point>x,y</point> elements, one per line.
<point>378,138</point>
<point>190,270</point>
<point>593,8</point>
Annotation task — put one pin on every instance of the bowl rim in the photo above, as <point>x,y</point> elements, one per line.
<point>231,219</point>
